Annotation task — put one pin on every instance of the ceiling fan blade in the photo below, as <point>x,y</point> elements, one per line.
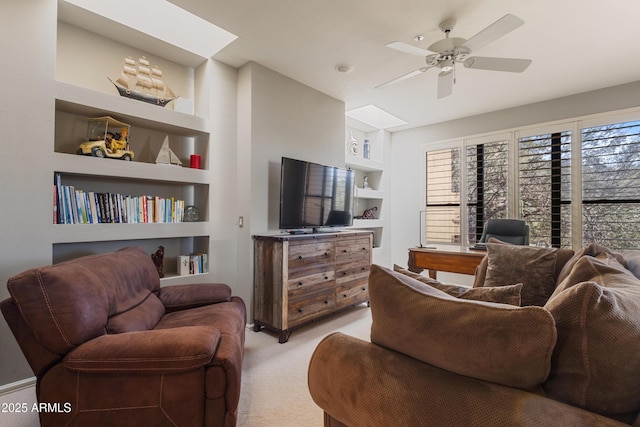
<point>512,65</point>
<point>502,26</point>
<point>407,48</point>
<point>404,77</point>
<point>445,83</point>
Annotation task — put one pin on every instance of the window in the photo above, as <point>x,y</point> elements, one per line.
<point>573,183</point>
<point>487,185</point>
<point>544,165</point>
<point>443,195</point>
<point>611,185</point>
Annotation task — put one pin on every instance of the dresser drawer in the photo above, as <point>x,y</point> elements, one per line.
<point>349,250</point>
<point>311,282</point>
<point>311,306</point>
<point>356,272</point>
<point>303,256</point>
<point>352,294</point>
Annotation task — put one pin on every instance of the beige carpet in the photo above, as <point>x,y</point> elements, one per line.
<point>274,377</point>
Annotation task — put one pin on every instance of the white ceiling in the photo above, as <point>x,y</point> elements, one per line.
<point>576,46</point>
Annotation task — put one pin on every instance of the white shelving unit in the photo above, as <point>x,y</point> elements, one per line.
<point>373,169</point>
<point>75,102</point>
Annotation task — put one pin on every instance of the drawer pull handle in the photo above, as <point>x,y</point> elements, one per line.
<point>326,302</point>
<point>364,249</point>
<point>299,256</point>
<point>345,251</point>
<point>299,284</point>
<point>344,295</point>
<point>299,310</point>
<point>364,289</point>
<point>326,278</point>
<point>326,254</point>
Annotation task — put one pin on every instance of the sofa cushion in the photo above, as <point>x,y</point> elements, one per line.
<point>71,302</point>
<point>501,294</point>
<point>632,259</point>
<point>592,249</point>
<point>563,255</point>
<point>492,342</point>
<point>531,266</point>
<point>597,311</point>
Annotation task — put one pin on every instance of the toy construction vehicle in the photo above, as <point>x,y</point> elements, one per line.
<point>107,137</point>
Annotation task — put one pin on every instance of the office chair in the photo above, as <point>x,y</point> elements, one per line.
<point>513,231</point>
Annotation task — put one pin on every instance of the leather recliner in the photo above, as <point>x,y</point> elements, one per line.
<point>110,347</point>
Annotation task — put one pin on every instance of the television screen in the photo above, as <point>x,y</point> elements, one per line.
<point>314,195</point>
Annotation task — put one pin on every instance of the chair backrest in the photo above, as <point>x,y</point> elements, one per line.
<point>514,231</point>
<point>69,303</point>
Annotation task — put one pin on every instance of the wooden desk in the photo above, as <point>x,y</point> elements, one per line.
<point>451,259</point>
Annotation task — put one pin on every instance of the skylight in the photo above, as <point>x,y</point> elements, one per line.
<point>373,115</point>
<point>164,21</point>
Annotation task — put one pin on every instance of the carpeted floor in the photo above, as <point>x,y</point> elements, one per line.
<point>274,377</point>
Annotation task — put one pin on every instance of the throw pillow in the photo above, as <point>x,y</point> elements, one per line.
<point>491,342</point>
<point>597,311</point>
<point>533,267</point>
<point>563,255</point>
<point>501,294</point>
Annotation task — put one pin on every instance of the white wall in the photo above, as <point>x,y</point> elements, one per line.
<point>406,185</point>
<point>278,116</point>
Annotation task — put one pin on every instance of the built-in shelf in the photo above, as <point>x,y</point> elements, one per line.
<point>79,97</point>
<point>367,223</point>
<point>120,169</point>
<point>79,100</point>
<point>83,233</point>
<point>364,164</point>
<point>368,193</point>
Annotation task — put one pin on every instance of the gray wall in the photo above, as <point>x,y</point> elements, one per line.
<point>278,116</point>
<point>28,35</point>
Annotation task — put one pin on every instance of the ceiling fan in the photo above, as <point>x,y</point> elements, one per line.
<point>444,53</point>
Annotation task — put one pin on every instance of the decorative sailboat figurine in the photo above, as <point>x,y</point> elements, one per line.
<point>166,156</point>
<point>139,80</point>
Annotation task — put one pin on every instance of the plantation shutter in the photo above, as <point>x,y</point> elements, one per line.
<point>611,185</point>
<point>443,196</point>
<point>487,185</point>
<point>544,183</point>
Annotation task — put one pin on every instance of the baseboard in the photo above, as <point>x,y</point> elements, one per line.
<point>17,386</point>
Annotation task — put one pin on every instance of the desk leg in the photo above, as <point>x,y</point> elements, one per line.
<point>412,264</point>
<point>433,274</point>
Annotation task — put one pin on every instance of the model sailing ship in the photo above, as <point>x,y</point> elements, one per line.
<point>139,80</point>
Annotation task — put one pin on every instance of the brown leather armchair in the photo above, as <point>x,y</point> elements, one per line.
<point>110,347</point>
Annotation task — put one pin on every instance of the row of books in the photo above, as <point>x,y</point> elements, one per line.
<point>193,264</point>
<point>73,206</point>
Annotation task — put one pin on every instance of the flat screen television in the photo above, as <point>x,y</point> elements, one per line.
<point>315,196</point>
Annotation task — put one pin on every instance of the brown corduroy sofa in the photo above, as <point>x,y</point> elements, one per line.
<point>110,347</point>
<point>438,358</point>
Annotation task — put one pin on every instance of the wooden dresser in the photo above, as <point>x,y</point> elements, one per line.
<point>300,278</point>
